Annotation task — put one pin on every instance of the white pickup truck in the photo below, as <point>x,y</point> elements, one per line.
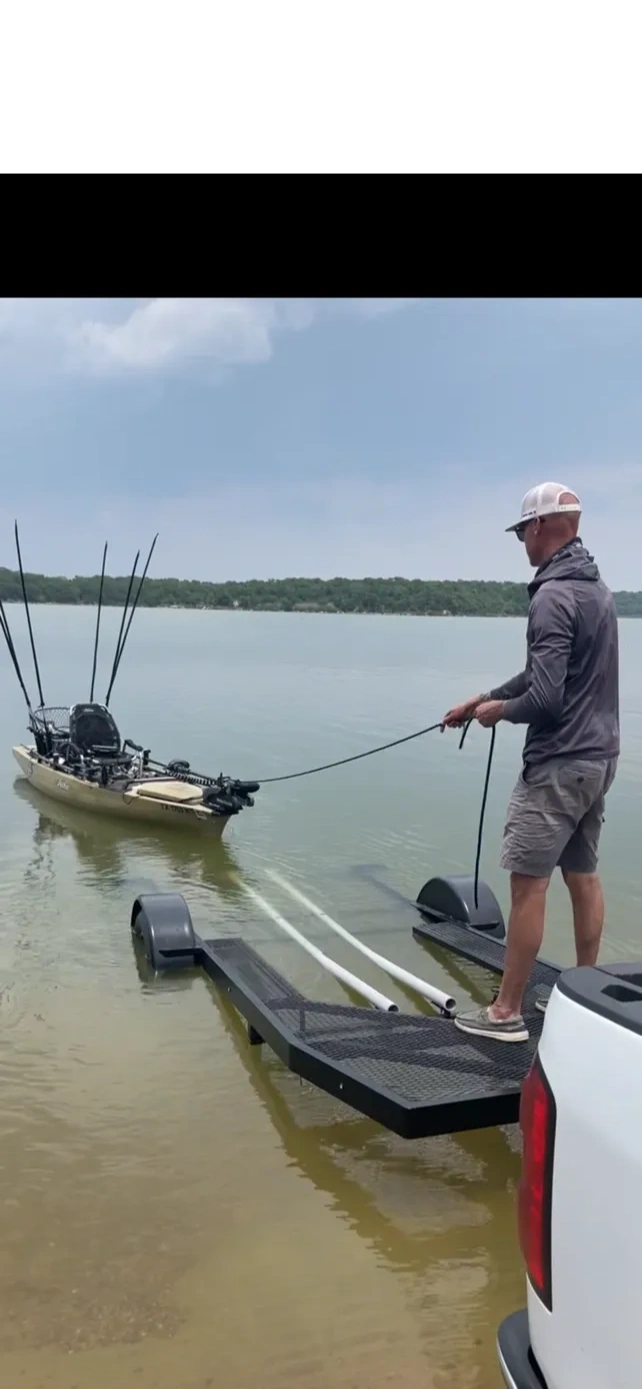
<point>580,1194</point>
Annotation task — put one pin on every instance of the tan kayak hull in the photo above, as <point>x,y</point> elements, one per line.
<point>133,805</point>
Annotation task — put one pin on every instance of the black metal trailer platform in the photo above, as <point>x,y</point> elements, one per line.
<point>483,950</point>
<point>416,1075</point>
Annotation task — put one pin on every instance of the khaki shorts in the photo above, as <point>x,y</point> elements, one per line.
<point>555,816</point>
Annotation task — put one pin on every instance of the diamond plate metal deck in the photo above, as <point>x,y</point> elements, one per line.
<point>418,1076</point>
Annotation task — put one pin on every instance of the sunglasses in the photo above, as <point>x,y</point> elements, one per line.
<point>520,531</point>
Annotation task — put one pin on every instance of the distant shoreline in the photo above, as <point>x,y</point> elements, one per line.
<point>266,612</point>
<point>395,597</point>
<point>289,612</point>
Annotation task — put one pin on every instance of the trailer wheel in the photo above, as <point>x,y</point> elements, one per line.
<point>161,921</point>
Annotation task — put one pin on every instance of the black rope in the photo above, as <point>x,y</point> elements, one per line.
<point>480,831</point>
<point>292,776</point>
<point>395,744</point>
<point>482,812</point>
<point>383,747</point>
<point>343,761</point>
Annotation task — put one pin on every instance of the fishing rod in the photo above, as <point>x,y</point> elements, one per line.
<point>6,632</point>
<point>24,595</point>
<point>127,595</point>
<point>121,647</point>
<point>135,603</point>
<point>100,604</point>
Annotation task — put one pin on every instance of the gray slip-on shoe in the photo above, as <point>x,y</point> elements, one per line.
<point>479,1024</point>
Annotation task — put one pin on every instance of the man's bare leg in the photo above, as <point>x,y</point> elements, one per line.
<point>524,941</point>
<point>588,914</point>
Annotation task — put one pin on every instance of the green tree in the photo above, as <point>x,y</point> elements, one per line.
<point>421,597</point>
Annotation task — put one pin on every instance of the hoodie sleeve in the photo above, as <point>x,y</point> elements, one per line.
<point>551,639</point>
<point>517,685</point>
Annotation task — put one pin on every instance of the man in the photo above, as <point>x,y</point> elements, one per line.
<point>568,697</point>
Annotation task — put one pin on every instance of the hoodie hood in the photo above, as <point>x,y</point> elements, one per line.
<point>572,561</point>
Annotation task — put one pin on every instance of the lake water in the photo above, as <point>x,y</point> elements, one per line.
<point>177,1210</point>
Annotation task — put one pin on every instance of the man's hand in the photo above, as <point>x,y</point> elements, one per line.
<point>461,714</point>
<point>490,713</point>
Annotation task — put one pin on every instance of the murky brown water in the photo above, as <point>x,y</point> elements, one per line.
<point>177,1210</point>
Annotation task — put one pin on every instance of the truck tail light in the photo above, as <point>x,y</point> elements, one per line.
<point>537,1122</point>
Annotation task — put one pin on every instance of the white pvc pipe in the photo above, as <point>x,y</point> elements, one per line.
<point>428,991</point>
<point>373,996</point>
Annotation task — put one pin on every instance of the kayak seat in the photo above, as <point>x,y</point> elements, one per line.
<point>94,732</point>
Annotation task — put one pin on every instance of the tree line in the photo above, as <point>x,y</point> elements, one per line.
<point>419,597</point>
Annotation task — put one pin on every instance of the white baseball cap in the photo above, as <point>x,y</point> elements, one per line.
<point>544,500</point>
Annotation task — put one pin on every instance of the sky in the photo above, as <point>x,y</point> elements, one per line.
<point>276,437</point>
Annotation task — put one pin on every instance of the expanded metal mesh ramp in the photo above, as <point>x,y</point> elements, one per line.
<point>483,950</point>
<point>417,1076</point>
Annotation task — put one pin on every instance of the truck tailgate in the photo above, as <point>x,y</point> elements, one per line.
<point>591,1054</point>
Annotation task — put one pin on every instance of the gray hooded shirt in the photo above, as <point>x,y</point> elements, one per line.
<point>568,693</point>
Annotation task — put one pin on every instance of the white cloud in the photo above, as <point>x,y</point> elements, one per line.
<point>144,336</point>
<point>165,331</point>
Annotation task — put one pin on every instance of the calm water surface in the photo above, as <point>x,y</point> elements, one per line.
<point>176,1209</point>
